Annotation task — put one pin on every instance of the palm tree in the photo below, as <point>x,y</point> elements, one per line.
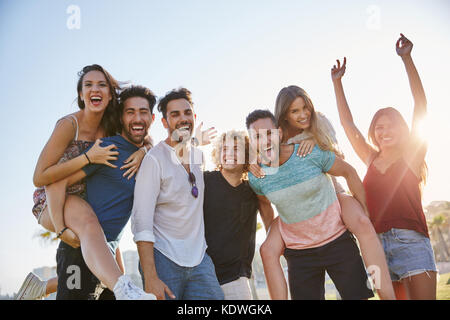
<point>439,222</point>
<point>46,237</point>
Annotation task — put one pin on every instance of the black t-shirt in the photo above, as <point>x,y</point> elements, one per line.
<point>230,226</point>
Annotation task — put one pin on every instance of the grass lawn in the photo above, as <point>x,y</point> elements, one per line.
<point>443,287</point>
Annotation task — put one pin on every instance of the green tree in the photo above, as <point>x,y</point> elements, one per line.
<point>437,224</point>
<point>45,237</point>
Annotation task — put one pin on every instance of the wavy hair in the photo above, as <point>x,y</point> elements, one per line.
<point>242,138</point>
<point>110,120</point>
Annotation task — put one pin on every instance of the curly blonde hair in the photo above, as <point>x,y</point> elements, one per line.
<point>241,137</point>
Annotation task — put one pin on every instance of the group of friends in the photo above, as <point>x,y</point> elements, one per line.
<point>195,230</point>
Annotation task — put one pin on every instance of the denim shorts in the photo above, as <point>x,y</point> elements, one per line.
<point>408,253</point>
<point>188,283</point>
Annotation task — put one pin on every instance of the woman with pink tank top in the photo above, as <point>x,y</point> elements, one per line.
<point>395,158</point>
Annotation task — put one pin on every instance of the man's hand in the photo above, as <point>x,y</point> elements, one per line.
<point>205,137</point>
<point>158,288</point>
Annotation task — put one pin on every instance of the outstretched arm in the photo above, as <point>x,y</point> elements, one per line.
<point>418,147</point>
<point>364,150</point>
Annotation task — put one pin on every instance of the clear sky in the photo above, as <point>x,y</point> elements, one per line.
<point>234,56</point>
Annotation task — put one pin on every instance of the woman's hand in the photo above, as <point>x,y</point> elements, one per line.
<point>403,46</point>
<point>70,238</point>
<point>133,163</point>
<point>305,147</point>
<point>337,72</point>
<point>206,136</point>
<point>102,155</point>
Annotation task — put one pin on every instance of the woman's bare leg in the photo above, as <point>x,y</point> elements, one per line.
<point>52,283</point>
<point>372,252</point>
<point>271,251</point>
<point>400,290</point>
<point>421,286</point>
<point>81,219</point>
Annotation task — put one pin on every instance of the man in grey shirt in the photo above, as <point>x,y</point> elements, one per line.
<point>167,216</point>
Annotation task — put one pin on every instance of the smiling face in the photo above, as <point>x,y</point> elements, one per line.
<point>233,154</point>
<point>95,92</point>
<point>298,116</point>
<point>136,119</point>
<point>180,120</point>
<point>265,138</point>
<point>387,132</point>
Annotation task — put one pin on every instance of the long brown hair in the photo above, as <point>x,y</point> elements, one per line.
<point>406,141</point>
<point>285,97</point>
<point>110,120</point>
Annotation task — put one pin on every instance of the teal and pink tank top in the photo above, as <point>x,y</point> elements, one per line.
<point>305,198</point>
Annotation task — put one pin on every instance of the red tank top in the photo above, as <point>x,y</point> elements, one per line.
<point>394,199</point>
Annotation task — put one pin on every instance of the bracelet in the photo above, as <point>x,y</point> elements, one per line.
<point>89,160</point>
<point>61,232</point>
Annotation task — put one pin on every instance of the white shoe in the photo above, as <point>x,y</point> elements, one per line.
<point>33,288</point>
<point>125,289</point>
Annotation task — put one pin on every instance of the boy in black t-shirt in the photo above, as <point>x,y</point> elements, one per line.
<point>230,209</point>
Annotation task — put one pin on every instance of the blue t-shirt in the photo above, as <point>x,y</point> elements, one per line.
<point>108,192</point>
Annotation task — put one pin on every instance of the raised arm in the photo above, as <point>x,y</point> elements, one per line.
<point>48,170</point>
<point>418,147</point>
<point>364,150</point>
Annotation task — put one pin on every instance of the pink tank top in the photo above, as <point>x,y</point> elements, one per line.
<point>394,199</point>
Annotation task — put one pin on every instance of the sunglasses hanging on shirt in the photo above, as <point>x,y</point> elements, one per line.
<point>194,190</point>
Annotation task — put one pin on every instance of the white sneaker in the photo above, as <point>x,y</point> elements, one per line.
<point>33,288</point>
<point>125,289</point>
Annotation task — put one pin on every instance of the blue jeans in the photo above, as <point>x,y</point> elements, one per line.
<point>188,283</point>
<point>408,253</point>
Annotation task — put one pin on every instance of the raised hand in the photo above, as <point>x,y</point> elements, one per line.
<point>206,136</point>
<point>102,155</point>
<point>338,71</point>
<point>403,46</point>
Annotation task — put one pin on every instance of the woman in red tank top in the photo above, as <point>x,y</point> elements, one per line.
<point>395,158</point>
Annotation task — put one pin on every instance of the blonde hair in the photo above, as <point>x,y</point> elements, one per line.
<point>396,116</point>
<point>285,98</point>
<point>241,137</point>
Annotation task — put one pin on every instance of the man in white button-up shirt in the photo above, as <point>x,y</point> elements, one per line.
<point>167,216</point>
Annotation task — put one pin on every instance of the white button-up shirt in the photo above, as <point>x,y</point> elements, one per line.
<point>164,209</point>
